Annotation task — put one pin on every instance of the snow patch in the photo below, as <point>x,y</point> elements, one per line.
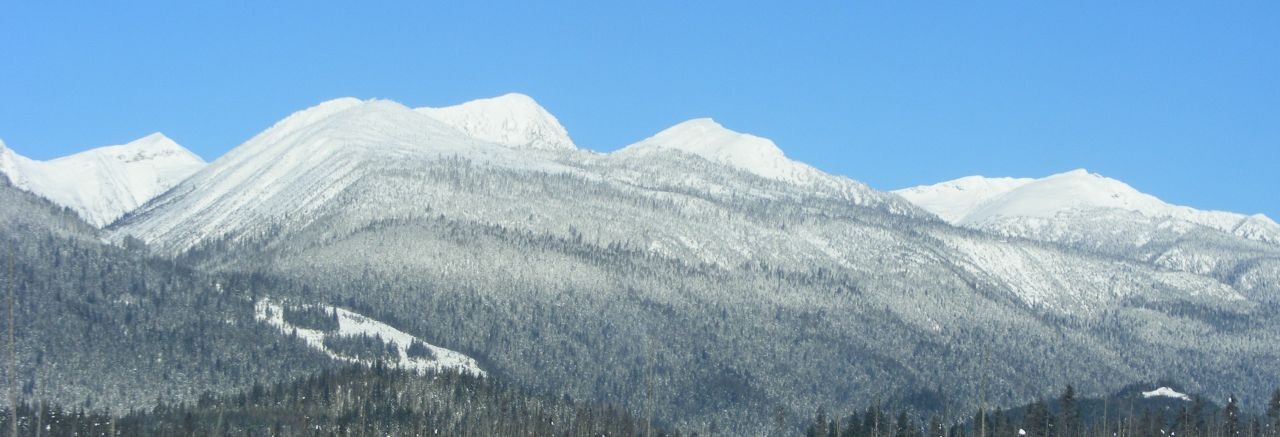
<point>352,324</point>
<point>1165,392</point>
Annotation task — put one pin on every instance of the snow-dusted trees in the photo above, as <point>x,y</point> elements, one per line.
<point>1273,414</point>
<point>351,401</point>
<point>1127,413</point>
<point>311,317</point>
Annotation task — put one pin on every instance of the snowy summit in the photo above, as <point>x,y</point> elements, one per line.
<point>513,120</point>
<point>976,201</point>
<point>705,138</point>
<point>105,183</point>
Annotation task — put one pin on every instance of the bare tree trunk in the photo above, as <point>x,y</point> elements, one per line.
<point>13,357</point>
<point>983,411</point>
<point>648,391</point>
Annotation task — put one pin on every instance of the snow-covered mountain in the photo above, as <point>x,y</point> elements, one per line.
<point>676,156</point>
<point>103,184</point>
<point>564,268</point>
<point>1087,211</point>
<point>514,120</point>
<point>1010,203</point>
<point>302,163</point>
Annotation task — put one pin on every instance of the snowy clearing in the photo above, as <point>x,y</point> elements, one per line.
<point>352,324</point>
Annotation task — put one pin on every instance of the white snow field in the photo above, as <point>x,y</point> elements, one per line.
<point>1165,392</point>
<point>355,324</point>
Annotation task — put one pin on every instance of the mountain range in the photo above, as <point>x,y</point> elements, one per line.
<point>698,257</point>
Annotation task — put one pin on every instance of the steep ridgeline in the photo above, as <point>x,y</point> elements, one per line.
<point>105,183</point>
<point>1100,214</point>
<point>699,257</point>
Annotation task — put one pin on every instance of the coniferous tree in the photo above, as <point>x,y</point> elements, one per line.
<point>936,428</point>
<point>853,426</point>
<point>903,426</point>
<point>1001,424</point>
<point>1069,419</point>
<point>819,426</point>
<point>1184,425</point>
<point>1198,426</point>
<point>981,423</point>
<point>1035,420</point>
<point>873,422</point>
<point>1231,418</point>
<point>1273,413</point>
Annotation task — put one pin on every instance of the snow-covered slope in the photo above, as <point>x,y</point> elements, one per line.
<point>105,183</point>
<point>300,164</point>
<point>541,261</point>
<point>513,120</point>
<point>352,324</point>
<point>981,202</point>
<point>695,154</point>
<point>954,200</point>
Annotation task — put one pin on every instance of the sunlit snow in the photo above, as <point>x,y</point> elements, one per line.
<point>354,324</point>
<point>1165,392</point>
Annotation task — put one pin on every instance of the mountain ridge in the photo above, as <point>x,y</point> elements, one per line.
<point>104,183</point>
<point>977,201</point>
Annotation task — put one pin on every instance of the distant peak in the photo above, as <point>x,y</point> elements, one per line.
<point>699,123</point>
<point>512,120</point>
<point>514,98</point>
<point>982,201</point>
<point>706,138</point>
<point>153,146</point>
<point>325,109</point>
<point>340,102</point>
<point>704,128</point>
<point>1076,172</point>
<point>155,141</point>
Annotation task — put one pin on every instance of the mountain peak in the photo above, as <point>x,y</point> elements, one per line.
<point>103,184</point>
<point>512,120</point>
<point>973,200</point>
<point>705,138</point>
<point>978,201</point>
<point>1079,172</point>
<point>157,140</point>
<point>955,199</point>
<point>150,147</point>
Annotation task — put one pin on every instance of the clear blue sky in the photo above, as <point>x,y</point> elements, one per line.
<point>1179,99</point>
